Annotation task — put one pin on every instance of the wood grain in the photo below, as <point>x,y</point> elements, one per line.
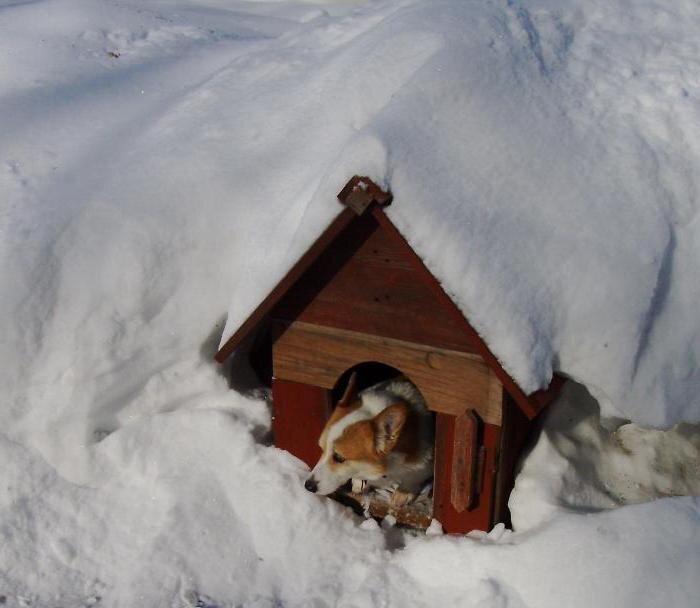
<point>464,460</point>
<point>364,282</point>
<point>451,382</point>
<point>515,431</point>
<point>479,515</point>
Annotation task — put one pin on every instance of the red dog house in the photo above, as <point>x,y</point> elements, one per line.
<point>360,294</point>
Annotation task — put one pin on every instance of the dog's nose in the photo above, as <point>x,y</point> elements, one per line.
<point>311,484</point>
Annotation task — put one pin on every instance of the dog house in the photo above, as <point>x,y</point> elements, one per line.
<point>359,295</point>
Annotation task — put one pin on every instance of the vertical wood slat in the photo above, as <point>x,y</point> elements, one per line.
<point>491,438</point>
<point>514,435</point>
<point>464,476</point>
<point>479,515</point>
<point>300,413</point>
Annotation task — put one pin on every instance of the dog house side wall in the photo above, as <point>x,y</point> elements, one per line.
<point>297,425</point>
<point>514,436</point>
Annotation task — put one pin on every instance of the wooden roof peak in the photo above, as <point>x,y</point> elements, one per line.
<point>360,192</point>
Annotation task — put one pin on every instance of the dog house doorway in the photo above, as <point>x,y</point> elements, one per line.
<point>368,373</point>
<point>377,503</point>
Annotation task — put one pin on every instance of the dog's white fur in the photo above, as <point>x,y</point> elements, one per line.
<point>405,469</point>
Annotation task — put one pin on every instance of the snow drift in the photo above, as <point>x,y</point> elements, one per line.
<point>542,167</point>
<point>161,160</point>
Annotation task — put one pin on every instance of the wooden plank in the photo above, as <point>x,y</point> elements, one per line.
<point>450,381</point>
<point>530,406</point>
<point>300,413</point>
<point>490,451</point>
<point>301,266</point>
<point>364,282</point>
<point>464,459</point>
<point>479,515</point>
<point>514,435</point>
<point>360,192</point>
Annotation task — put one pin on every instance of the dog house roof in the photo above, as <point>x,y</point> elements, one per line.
<point>361,196</point>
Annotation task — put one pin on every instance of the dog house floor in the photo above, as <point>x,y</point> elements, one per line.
<point>377,503</point>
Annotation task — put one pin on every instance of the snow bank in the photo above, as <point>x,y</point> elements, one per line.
<point>544,161</point>
<point>579,464</point>
<point>192,512</point>
<point>160,158</point>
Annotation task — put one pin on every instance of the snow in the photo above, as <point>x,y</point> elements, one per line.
<point>549,188</point>
<point>160,160</point>
<point>190,508</point>
<point>577,463</point>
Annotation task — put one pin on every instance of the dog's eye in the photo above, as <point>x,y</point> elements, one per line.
<point>337,457</point>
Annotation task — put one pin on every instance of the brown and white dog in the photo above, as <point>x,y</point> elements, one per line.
<point>383,435</point>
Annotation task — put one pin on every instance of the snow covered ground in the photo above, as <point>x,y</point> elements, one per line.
<point>162,161</point>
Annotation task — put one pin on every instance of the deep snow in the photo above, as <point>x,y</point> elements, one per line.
<point>543,158</point>
<point>162,160</point>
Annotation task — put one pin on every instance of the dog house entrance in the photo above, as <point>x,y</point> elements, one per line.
<point>377,502</point>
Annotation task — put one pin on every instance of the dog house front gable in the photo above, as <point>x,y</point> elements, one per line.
<point>364,282</point>
<point>360,293</point>
<point>363,300</point>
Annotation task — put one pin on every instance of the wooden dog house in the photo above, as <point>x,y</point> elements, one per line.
<point>361,294</point>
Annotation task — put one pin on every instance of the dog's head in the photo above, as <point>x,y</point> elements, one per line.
<point>355,443</point>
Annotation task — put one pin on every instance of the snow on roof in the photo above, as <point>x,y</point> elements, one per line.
<point>542,167</point>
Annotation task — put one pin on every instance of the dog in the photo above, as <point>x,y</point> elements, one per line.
<point>382,436</point>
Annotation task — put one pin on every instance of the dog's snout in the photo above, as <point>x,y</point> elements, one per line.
<point>311,484</point>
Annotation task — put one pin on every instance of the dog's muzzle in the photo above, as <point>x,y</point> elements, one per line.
<point>311,484</point>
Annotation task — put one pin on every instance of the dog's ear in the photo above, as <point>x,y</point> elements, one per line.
<point>347,399</point>
<point>350,391</point>
<point>387,427</point>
